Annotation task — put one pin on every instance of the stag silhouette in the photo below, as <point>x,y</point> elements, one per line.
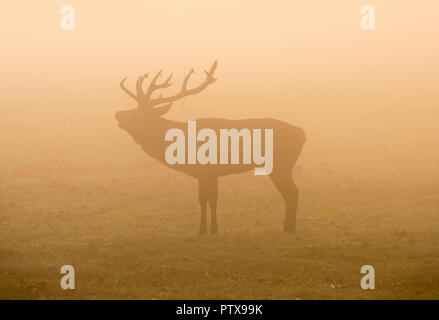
<point>147,127</point>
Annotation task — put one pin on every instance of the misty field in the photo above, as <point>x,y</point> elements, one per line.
<point>92,199</point>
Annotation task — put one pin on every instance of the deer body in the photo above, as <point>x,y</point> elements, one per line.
<point>146,126</point>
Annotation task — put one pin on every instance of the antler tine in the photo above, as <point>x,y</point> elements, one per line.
<point>151,87</point>
<point>154,85</point>
<point>139,90</point>
<point>186,80</point>
<point>209,74</point>
<point>184,90</point>
<point>157,76</point>
<point>165,83</point>
<point>132,95</point>
<point>212,70</point>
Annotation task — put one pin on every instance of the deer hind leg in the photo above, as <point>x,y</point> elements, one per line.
<point>288,189</point>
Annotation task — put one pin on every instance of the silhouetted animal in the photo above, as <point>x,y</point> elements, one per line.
<point>148,129</point>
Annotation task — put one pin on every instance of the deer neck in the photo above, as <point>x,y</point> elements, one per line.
<point>152,139</point>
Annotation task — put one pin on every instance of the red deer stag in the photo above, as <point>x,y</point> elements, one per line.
<point>147,127</point>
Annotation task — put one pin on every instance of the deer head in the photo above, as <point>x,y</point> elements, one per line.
<point>149,108</point>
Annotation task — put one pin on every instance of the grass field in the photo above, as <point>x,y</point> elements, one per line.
<point>92,199</point>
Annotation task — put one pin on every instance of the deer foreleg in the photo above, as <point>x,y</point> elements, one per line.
<point>202,198</point>
<point>208,192</point>
<point>212,199</point>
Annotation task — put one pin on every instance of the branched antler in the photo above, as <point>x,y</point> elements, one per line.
<point>145,99</point>
<point>154,86</point>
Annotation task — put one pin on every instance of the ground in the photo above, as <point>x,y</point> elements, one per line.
<point>128,225</point>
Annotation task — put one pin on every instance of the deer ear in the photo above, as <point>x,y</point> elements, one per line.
<point>162,110</point>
